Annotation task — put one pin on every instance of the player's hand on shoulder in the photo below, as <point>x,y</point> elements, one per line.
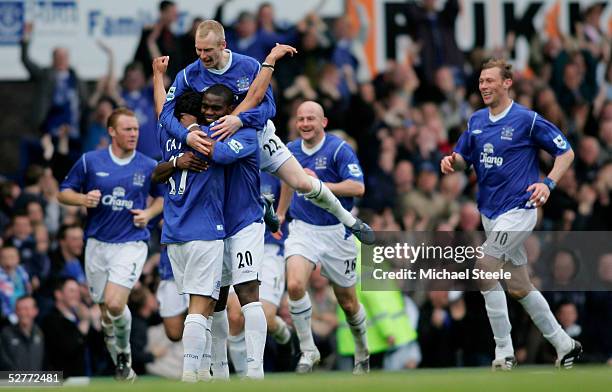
<point>189,161</point>
<point>160,64</point>
<point>198,141</point>
<point>92,198</point>
<point>226,126</point>
<point>539,194</point>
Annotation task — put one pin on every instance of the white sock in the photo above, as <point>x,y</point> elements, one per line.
<point>238,354</point>
<point>220,332</point>
<point>539,311</point>
<point>357,324</point>
<point>301,313</point>
<point>255,331</point>
<point>194,342</point>
<point>282,333</point>
<point>109,340</point>
<point>123,326</point>
<point>204,371</point>
<point>497,310</point>
<point>321,196</point>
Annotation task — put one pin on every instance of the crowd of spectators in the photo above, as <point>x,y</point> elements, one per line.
<point>401,120</point>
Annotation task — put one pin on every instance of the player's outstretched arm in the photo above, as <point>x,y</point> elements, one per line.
<point>258,88</point>
<point>160,65</point>
<point>71,197</point>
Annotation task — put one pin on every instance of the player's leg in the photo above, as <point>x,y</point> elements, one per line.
<point>505,237</point>
<point>356,319</point>
<point>96,270</point>
<point>300,307</point>
<point>115,300</point>
<point>271,292</point>
<point>197,272</point>
<point>236,341</point>
<point>220,333</point>
<point>125,262</point>
<point>534,303</point>
<point>338,265</point>
<point>247,252</point>
<point>278,160</point>
<point>497,312</point>
<point>172,309</point>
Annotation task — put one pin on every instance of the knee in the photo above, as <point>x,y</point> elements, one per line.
<point>115,308</point>
<point>349,304</point>
<point>235,319</point>
<point>518,293</point>
<point>247,292</point>
<point>174,334</point>
<point>296,288</point>
<point>270,320</point>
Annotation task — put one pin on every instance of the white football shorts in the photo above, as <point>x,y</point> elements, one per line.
<point>272,151</point>
<point>506,234</point>
<point>119,263</point>
<point>243,254</point>
<point>196,266</point>
<point>328,245</point>
<point>272,275</point>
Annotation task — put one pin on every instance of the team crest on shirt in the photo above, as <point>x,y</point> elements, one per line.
<point>139,179</point>
<point>506,133</point>
<point>243,83</point>
<point>320,163</point>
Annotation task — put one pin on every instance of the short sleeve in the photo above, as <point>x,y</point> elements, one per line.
<point>347,163</point>
<point>75,179</point>
<point>548,137</point>
<point>464,148</point>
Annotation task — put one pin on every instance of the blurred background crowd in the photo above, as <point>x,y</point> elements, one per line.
<point>401,120</point>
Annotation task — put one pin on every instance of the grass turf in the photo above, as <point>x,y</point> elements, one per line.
<point>537,378</point>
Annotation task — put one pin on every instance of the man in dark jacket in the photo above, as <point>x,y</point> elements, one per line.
<point>22,346</point>
<point>66,329</point>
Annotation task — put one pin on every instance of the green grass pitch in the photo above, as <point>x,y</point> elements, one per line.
<point>527,378</point>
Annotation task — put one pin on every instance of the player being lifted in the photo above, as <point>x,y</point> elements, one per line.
<point>114,184</point>
<point>315,236</point>
<point>502,142</point>
<point>217,64</point>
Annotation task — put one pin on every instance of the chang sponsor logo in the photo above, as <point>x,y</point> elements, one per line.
<point>488,158</point>
<point>116,201</point>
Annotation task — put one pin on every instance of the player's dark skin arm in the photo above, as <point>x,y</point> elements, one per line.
<point>187,161</point>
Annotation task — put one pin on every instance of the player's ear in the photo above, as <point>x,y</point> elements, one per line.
<point>508,83</point>
<point>324,122</point>
<point>112,132</point>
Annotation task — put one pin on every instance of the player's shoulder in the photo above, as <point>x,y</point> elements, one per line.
<point>479,115</point>
<point>336,145</point>
<point>295,145</point>
<point>192,70</point>
<point>524,113</point>
<point>145,160</point>
<point>244,60</point>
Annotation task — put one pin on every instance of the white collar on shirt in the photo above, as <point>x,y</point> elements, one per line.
<point>313,150</point>
<point>224,69</point>
<point>497,117</point>
<point>121,161</point>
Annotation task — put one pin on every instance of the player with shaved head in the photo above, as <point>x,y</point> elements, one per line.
<point>332,161</point>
